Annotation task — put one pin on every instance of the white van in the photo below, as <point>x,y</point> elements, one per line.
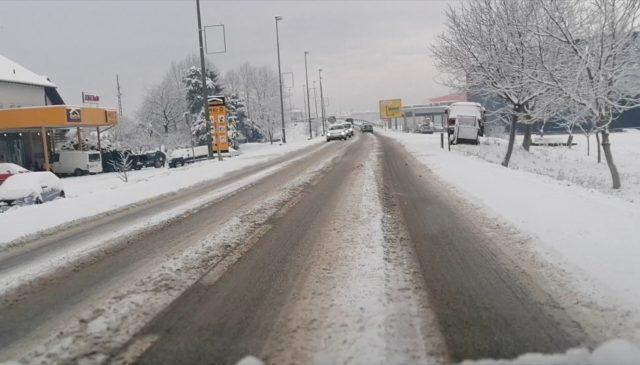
<point>76,162</point>
<point>465,122</point>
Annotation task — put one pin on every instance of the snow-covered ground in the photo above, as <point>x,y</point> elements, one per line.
<point>89,196</point>
<point>572,164</point>
<point>586,233</point>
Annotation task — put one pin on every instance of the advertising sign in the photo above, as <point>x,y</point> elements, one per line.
<point>90,98</point>
<point>219,123</point>
<point>390,109</point>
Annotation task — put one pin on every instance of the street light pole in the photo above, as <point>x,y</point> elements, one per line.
<point>322,101</point>
<point>284,136</point>
<point>306,73</point>
<point>315,98</point>
<point>205,104</point>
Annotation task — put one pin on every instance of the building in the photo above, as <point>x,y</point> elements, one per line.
<point>32,111</point>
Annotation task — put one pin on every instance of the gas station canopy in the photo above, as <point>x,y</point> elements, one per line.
<point>56,116</point>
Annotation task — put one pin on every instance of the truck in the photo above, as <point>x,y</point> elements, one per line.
<point>181,156</point>
<point>71,162</point>
<point>465,122</point>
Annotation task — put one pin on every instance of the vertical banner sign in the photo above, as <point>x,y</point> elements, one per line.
<point>219,123</point>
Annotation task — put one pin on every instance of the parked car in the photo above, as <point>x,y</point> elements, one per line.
<point>337,131</point>
<point>76,162</point>
<point>349,128</point>
<point>8,169</point>
<point>367,128</point>
<point>425,129</point>
<point>33,188</point>
<point>155,159</point>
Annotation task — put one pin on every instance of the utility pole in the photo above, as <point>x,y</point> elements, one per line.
<point>119,94</point>
<point>284,137</point>
<point>315,99</point>
<point>304,99</point>
<point>306,74</point>
<point>322,110</point>
<point>205,97</point>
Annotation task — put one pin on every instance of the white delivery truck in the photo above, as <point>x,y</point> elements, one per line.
<point>465,122</point>
<point>76,162</point>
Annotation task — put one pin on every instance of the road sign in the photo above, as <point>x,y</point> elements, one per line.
<point>219,123</point>
<point>390,109</point>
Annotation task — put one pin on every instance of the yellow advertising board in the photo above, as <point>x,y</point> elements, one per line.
<point>390,109</point>
<point>219,127</point>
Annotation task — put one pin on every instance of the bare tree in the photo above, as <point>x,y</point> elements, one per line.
<point>588,53</point>
<point>122,164</point>
<point>487,50</point>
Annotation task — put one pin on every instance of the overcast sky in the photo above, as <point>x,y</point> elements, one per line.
<point>368,50</point>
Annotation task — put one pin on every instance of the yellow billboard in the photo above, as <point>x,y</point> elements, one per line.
<point>390,109</point>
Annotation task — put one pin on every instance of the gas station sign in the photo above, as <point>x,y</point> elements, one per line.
<point>219,123</point>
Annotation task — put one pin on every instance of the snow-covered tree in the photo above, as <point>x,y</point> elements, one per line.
<point>193,86</point>
<point>589,58</point>
<point>488,50</point>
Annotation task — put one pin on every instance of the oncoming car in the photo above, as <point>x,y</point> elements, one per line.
<point>337,131</point>
<point>31,188</point>
<point>367,128</point>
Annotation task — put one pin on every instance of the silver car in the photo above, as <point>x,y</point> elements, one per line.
<point>337,131</point>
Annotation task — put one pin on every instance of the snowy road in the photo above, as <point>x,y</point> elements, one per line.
<point>371,265</point>
<point>346,252</point>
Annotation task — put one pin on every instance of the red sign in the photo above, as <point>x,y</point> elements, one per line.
<point>90,98</point>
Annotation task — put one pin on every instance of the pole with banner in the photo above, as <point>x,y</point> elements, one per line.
<point>219,124</point>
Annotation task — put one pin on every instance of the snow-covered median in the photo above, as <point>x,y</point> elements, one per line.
<point>89,196</point>
<point>574,222</point>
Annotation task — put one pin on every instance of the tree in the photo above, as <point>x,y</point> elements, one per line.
<point>589,57</point>
<point>488,50</point>
<point>193,85</point>
<point>237,117</point>
<point>265,87</point>
<point>122,164</point>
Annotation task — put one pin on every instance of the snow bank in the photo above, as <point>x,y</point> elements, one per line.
<point>617,352</point>
<point>584,230</point>
<point>97,194</point>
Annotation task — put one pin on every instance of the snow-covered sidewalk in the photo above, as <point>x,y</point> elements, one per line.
<point>589,235</point>
<point>94,195</point>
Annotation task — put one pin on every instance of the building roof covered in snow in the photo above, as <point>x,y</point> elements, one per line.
<point>448,99</point>
<point>11,71</point>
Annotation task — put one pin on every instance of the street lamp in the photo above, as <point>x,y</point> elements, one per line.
<point>205,102</point>
<point>284,137</point>
<point>322,101</point>
<point>306,74</point>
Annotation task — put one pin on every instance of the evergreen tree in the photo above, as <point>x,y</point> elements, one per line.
<point>193,84</point>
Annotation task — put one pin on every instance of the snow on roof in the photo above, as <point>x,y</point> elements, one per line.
<point>451,98</point>
<point>10,71</point>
